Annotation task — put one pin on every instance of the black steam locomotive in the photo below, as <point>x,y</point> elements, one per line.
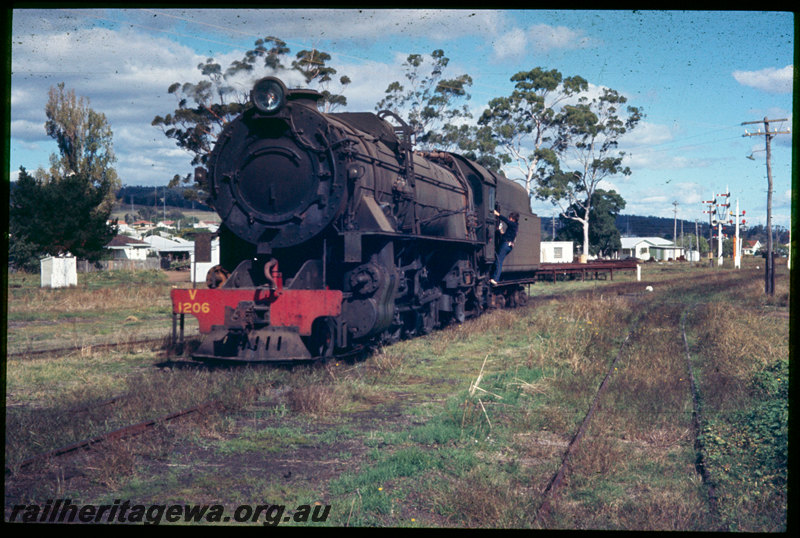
<point>335,234</point>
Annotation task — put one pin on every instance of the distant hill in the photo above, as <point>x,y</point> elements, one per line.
<point>153,197</point>
<point>638,226</point>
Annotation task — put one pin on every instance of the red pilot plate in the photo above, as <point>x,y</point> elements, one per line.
<point>288,308</point>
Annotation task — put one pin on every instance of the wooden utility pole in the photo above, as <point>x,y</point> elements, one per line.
<point>675,222</point>
<point>721,216</point>
<point>769,270</point>
<point>711,210</point>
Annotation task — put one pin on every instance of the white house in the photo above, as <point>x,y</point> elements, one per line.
<point>142,226</point>
<point>645,248</point>
<point>128,248</point>
<point>635,247</point>
<point>664,249</point>
<point>164,245</point>
<point>170,249</point>
<point>556,252</point>
<point>749,248</point>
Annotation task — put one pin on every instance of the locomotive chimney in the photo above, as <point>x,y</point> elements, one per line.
<point>305,97</point>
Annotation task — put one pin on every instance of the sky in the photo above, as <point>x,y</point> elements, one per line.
<point>697,75</point>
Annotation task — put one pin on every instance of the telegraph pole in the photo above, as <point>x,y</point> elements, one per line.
<point>711,203</point>
<point>722,215</point>
<point>675,223</point>
<point>675,228</point>
<point>769,274</point>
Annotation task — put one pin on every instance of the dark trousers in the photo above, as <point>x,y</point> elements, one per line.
<point>505,248</point>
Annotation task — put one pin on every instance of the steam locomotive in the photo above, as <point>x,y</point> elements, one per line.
<point>335,234</point>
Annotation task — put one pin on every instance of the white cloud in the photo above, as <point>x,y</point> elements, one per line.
<point>649,134</point>
<point>544,37</point>
<point>538,38</point>
<point>770,80</point>
<point>664,160</point>
<point>689,193</point>
<point>359,25</point>
<point>510,44</point>
<point>25,129</point>
<point>654,199</point>
<point>607,185</point>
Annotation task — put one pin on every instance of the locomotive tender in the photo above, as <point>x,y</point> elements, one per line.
<point>335,234</point>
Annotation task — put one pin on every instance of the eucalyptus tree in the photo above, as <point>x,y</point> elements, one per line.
<point>66,209</point>
<point>205,107</point>
<point>312,64</point>
<point>524,127</point>
<point>587,151</point>
<point>431,104</point>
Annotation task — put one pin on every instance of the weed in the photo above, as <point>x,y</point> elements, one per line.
<point>315,400</point>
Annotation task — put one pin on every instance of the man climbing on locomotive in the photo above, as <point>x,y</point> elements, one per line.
<point>507,243</point>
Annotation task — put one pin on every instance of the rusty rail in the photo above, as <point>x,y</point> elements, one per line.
<point>700,463</point>
<point>121,433</point>
<point>558,477</point>
<point>30,353</point>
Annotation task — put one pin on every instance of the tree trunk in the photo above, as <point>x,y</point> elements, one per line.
<point>586,236</point>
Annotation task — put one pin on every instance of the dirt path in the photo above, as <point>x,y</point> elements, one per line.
<point>178,276</point>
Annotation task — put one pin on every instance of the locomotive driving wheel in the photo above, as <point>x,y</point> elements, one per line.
<point>521,297</point>
<point>427,320</point>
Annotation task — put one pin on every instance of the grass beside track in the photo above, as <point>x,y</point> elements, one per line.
<point>105,307</point>
<point>461,428</point>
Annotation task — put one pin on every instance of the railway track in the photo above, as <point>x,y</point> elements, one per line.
<point>615,367</point>
<point>555,482</point>
<point>156,343</point>
<point>118,434</point>
<point>697,421</point>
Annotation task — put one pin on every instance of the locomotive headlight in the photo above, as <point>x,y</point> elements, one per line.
<point>268,95</point>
